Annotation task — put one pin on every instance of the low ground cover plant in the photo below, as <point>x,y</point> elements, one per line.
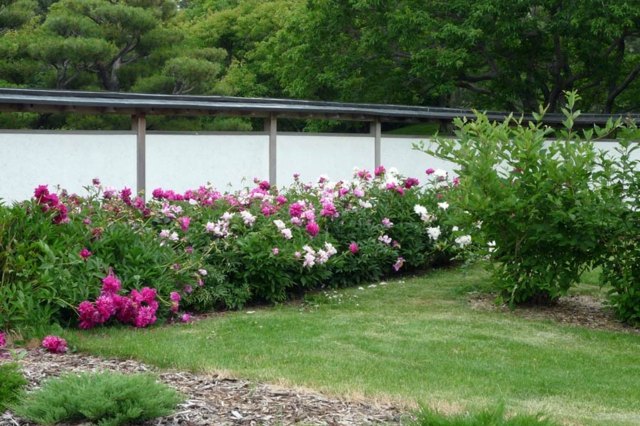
<point>12,382</point>
<point>111,257</point>
<point>108,399</point>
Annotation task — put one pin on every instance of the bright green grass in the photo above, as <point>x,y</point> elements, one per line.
<point>413,341</point>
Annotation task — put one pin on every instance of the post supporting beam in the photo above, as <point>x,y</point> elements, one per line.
<point>376,131</point>
<point>139,125</point>
<point>271,127</point>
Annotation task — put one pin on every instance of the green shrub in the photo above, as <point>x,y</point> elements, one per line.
<point>108,399</point>
<point>547,206</point>
<point>490,417</point>
<point>621,260</point>
<point>11,384</point>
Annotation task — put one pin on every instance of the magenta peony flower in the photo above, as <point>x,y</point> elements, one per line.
<point>456,181</point>
<point>3,340</point>
<point>111,284</point>
<point>281,199</point>
<point>174,296</point>
<point>105,307</point>
<point>95,182</point>
<point>411,182</point>
<point>429,171</point>
<point>364,174</point>
<point>126,310</point>
<point>125,196</point>
<point>296,209</point>
<point>380,170</point>
<point>264,185</point>
<point>146,316</point>
<point>55,344</point>
<point>313,229</point>
<point>40,192</point>
<point>185,318</point>
<point>353,247</point>
<point>85,253</point>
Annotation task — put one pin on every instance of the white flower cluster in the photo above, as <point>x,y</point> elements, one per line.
<point>286,232</point>
<point>434,233</point>
<point>247,218</point>
<point>221,227</point>
<point>423,213</point>
<point>165,234</point>
<point>313,257</point>
<point>463,240</point>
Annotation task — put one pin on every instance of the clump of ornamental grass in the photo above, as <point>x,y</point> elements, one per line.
<point>11,384</point>
<point>490,417</point>
<point>107,399</point>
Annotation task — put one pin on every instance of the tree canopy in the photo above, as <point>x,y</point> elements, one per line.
<point>487,54</point>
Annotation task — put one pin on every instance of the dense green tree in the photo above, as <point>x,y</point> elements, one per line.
<point>509,54</point>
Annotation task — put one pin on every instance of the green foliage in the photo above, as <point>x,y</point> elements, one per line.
<point>107,399</point>
<point>489,417</point>
<point>546,205</point>
<point>11,384</point>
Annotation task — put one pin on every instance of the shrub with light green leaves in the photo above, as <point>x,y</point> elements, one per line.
<point>108,399</point>
<point>540,197</point>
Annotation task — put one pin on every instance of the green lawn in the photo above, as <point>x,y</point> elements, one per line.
<point>411,341</point>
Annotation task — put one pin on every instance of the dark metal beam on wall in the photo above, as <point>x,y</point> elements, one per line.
<point>151,104</point>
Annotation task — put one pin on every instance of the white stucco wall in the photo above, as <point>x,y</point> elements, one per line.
<point>315,155</point>
<point>183,161</point>
<point>71,160</point>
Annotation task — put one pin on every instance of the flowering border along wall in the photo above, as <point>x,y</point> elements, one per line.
<point>110,256</point>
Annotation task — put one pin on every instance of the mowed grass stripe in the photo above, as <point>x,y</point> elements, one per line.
<point>411,341</point>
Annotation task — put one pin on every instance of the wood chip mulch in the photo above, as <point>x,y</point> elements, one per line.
<point>215,400</point>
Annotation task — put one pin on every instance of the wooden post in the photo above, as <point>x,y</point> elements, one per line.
<point>376,131</point>
<point>271,127</point>
<point>139,125</point>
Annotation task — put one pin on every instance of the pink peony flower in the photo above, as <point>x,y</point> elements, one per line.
<point>281,199</point>
<point>429,171</point>
<point>174,296</point>
<point>145,317</point>
<point>85,253</point>
<point>313,229</point>
<point>364,174</point>
<point>185,318</point>
<point>386,222</point>
<point>353,247</point>
<point>184,222</point>
<point>3,340</point>
<point>40,192</point>
<point>275,251</point>
<point>55,344</point>
<point>329,209</point>
<point>188,289</point>
<point>380,170</point>
<point>296,209</point>
<point>456,181</point>
<point>398,264</point>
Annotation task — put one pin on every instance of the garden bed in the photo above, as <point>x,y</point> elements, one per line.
<point>215,399</point>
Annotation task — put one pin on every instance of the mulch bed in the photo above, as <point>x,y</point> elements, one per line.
<point>215,400</point>
<point>584,311</point>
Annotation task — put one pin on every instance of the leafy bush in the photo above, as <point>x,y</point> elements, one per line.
<point>11,384</point>
<point>103,398</point>
<point>490,417</point>
<point>621,260</point>
<point>545,206</point>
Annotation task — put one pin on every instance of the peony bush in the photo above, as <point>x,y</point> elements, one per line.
<point>112,257</point>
